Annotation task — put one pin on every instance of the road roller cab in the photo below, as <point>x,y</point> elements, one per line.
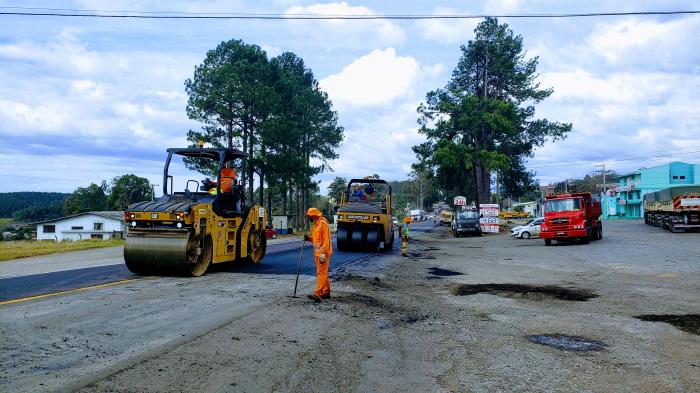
<point>364,221</point>
<point>184,232</point>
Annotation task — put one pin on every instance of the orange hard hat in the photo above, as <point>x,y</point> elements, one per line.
<point>407,220</point>
<point>313,212</point>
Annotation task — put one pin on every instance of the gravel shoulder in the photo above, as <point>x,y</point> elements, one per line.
<point>394,326</point>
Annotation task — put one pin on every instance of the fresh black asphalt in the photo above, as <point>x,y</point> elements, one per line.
<point>280,259</point>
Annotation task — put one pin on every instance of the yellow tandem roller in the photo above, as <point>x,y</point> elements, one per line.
<point>183,233</point>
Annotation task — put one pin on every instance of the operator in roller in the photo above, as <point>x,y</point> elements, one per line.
<point>228,180</point>
<point>321,240</point>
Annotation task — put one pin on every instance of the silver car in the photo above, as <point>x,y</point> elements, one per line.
<point>531,229</point>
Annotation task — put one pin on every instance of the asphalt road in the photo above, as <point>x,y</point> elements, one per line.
<point>281,258</point>
<point>69,339</point>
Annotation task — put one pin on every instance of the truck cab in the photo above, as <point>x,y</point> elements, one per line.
<point>575,216</point>
<point>466,222</point>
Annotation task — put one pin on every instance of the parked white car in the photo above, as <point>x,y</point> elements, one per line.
<point>531,229</point>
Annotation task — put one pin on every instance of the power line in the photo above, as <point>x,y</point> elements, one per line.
<point>67,12</point>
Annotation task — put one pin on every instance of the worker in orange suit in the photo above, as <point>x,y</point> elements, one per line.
<point>228,179</point>
<point>321,240</point>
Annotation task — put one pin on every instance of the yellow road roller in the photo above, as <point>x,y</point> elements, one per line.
<point>184,232</point>
<point>364,216</point>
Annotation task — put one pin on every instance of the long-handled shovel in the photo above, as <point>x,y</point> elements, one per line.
<point>301,256</point>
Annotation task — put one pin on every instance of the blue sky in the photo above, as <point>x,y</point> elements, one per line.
<point>83,100</point>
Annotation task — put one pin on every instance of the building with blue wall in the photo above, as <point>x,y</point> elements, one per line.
<point>627,200</point>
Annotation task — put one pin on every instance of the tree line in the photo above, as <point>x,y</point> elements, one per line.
<point>117,195</point>
<point>26,207</point>
<point>483,121</point>
<point>273,110</point>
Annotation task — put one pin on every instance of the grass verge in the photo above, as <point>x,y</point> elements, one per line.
<point>28,248</point>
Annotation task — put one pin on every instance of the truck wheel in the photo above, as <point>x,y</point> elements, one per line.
<point>547,242</point>
<point>525,235</point>
<point>587,239</point>
<point>673,229</point>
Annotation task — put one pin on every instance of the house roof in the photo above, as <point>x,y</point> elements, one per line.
<point>114,215</point>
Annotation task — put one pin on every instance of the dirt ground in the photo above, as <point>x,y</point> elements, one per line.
<point>462,315</point>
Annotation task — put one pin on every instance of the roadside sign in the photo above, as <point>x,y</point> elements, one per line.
<point>460,201</point>
<point>489,217</point>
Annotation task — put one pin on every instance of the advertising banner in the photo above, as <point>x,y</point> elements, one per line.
<point>489,217</point>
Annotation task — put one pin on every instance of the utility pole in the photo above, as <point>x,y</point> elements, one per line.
<point>603,170</point>
<point>604,200</point>
<point>498,193</point>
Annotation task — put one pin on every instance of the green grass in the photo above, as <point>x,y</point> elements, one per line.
<point>5,221</point>
<point>29,248</point>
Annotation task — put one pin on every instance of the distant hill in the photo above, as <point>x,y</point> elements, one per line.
<point>32,206</point>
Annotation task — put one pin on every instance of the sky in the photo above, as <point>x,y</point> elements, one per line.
<point>84,100</point>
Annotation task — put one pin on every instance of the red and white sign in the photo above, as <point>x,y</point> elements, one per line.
<point>460,201</point>
<point>489,217</point>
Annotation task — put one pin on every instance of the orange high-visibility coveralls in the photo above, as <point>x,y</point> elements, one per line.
<point>228,179</point>
<point>321,239</point>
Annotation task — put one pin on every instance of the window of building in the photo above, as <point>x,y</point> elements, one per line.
<point>49,228</point>
<point>675,177</point>
<point>681,177</point>
<point>97,226</point>
<point>76,228</point>
<point>96,236</point>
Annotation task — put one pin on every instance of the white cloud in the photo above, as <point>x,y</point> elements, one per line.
<point>377,78</point>
<point>629,88</point>
<point>380,142</point>
<point>447,30</point>
<point>271,50</point>
<point>345,33</point>
<point>88,99</point>
<point>666,43</point>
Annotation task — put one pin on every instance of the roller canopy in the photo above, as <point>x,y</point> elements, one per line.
<point>213,153</point>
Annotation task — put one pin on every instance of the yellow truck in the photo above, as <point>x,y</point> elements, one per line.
<point>507,215</point>
<point>446,217</point>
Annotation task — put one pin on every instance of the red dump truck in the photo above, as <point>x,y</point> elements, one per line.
<point>573,216</point>
<point>676,208</point>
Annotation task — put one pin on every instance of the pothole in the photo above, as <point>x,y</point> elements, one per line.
<point>688,323</point>
<point>436,271</point>
<point>567,343</point>
<point>524,291</point>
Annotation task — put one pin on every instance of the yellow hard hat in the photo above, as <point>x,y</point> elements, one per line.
<point>313,212</point>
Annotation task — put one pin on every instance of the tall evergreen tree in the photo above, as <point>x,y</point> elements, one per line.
<point>483,120</point>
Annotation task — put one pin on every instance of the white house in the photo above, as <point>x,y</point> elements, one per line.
<point>101,225</point>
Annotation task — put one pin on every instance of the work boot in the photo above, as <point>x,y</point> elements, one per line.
<point>326,296</point>
<point>314,297</point>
